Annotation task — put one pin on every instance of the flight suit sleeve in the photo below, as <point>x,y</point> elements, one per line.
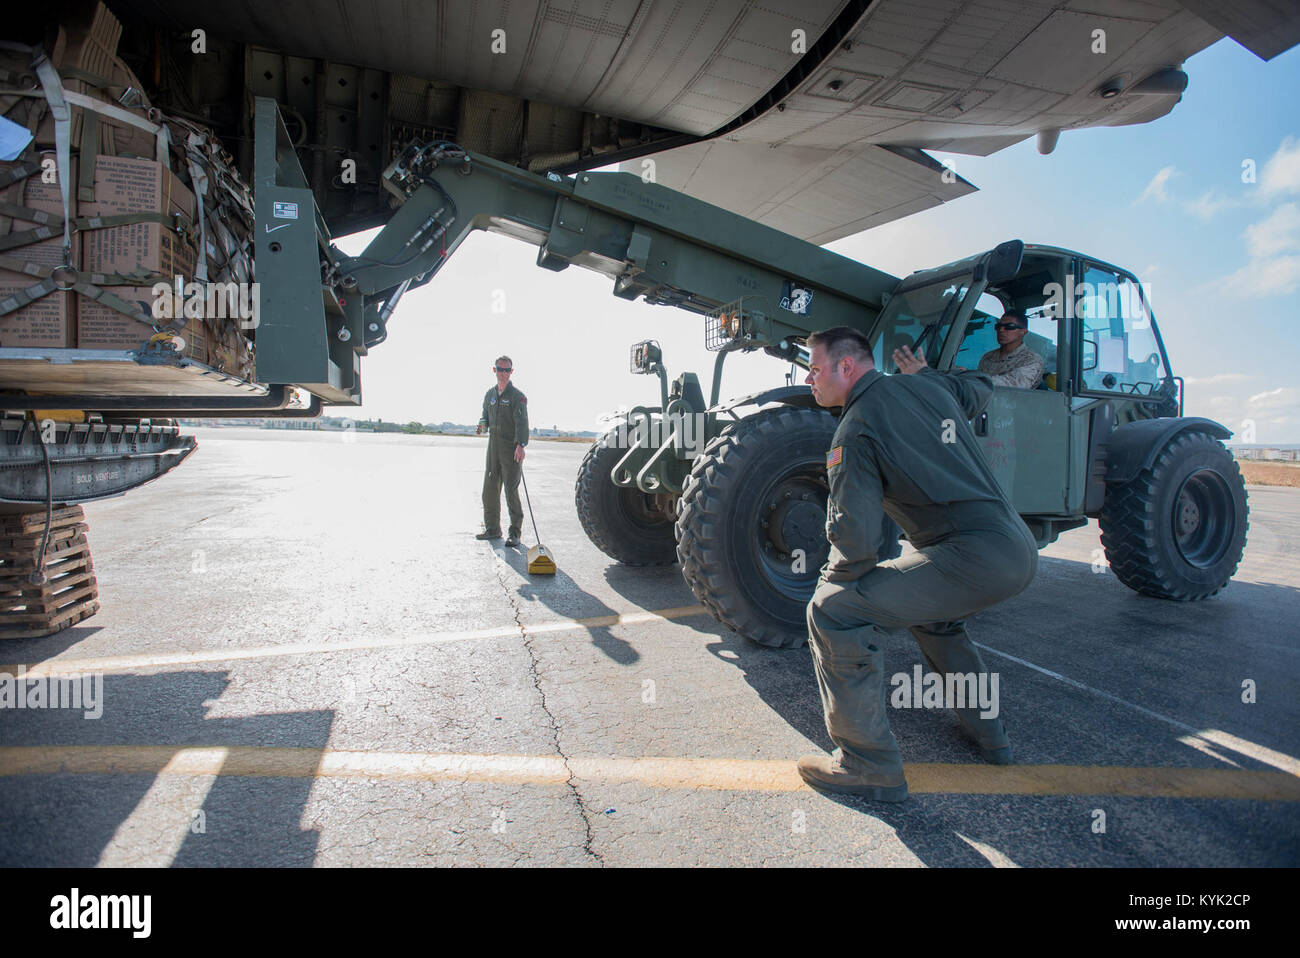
<point>521,420</point>
<point>854,515</point>
<point>483,419</point>
<point>970,388</point>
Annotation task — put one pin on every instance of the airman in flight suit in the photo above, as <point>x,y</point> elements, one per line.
<point>505,417</point>
<point>903,446</point>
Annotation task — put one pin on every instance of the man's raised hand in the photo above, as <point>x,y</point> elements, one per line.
<point>908,362</point>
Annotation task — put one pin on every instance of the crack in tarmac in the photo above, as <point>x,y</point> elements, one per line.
<point>555,727</point>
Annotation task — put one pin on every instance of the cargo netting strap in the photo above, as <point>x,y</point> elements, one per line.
<point>54,95</point>
<point>111,300</point>
<point>38,106</point>
<point>115,90</point>
<point>225,218</point>
<point>89,157</point>
<point>123,115</point>
<point>94,106</point>
<point>19,172</point>
<point>50,224</point>
<point>11,98</point>
<point>69,98</point>
<point>88,285</point>
<point>137,278</point>
<point>199,180</point>
<point>225,209</point>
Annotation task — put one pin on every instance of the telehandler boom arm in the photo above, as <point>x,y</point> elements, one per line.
<point>763,286</point>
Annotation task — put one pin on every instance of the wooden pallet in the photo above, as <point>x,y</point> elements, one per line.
<point>33,523</point>
<point>69,592</point>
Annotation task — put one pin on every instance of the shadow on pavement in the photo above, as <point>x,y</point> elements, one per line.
<point>68,819</point>
<point>30,651</point>
<point>562,595</point>
<point>1183,661</point>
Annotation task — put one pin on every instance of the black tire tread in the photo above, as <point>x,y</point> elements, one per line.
<point>595,469</point>
<point>1130,525</point>
<point>699,538</point>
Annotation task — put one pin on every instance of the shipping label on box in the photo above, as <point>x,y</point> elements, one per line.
<point>124,184</point>
<point>147,247</point>
<point>46,323</point>
<point>102,327</point>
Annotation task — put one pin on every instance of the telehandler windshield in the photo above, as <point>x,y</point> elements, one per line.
<point>919,318</point>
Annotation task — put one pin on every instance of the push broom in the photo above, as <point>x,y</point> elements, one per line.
<point>540,560</point>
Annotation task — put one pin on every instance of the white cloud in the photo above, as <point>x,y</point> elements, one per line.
<point>1279,232</point>
<point>1156,188</point>
<point>1270,415</point>
<point>1207,205</point>
<point>1281,174</point>
<point>1274,246</point>
<point>1279,398</point>
<point>1268,277</point>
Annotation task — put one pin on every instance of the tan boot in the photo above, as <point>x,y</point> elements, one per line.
<point>828,773</point>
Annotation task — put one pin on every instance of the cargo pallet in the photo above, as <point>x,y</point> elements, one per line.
<point>69,592</point>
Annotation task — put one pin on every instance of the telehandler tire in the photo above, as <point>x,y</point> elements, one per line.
<point>622,523</point>
<point>755,496</point>
<point>1178,530</point>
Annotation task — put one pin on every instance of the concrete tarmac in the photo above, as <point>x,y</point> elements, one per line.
<point>305,658</point>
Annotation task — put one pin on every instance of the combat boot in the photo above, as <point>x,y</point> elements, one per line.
<point>947,648</point>
<point>488,535</point>
<point>829,773</point>
<point>990,736</point>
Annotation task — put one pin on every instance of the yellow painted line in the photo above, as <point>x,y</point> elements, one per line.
<point>256,762</point>
<point>152,834</point>
<point>1138,781</point>
<point>132,663</point>
<point>671,773</point>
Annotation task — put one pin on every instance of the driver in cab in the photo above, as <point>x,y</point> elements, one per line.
<point>1012,364</point>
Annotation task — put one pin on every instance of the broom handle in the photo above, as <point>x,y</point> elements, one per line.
<point>529,500</point>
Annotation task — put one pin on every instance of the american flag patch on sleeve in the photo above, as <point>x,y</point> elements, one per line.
<point>835,456</point>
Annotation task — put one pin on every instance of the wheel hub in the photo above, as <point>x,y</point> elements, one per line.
<point>1189,514</point>
<point>793,518</point>
<point>797,524</point>
<point>1203,518</point>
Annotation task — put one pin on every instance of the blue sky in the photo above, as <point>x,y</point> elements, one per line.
<point>1165,199</point>
<point>1221,259</point>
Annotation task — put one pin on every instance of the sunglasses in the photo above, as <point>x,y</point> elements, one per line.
<point>503,369</point>
<point>1007,326</point>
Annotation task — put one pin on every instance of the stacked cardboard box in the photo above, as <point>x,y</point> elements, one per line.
<point>124,185</point>
<point>86,43</point>
<point>50,321</point>
<point>123,175</point>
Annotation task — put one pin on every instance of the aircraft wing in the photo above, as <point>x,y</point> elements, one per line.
<point>816,193</point>
<point>811,117</point>
<point>842,151</point>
